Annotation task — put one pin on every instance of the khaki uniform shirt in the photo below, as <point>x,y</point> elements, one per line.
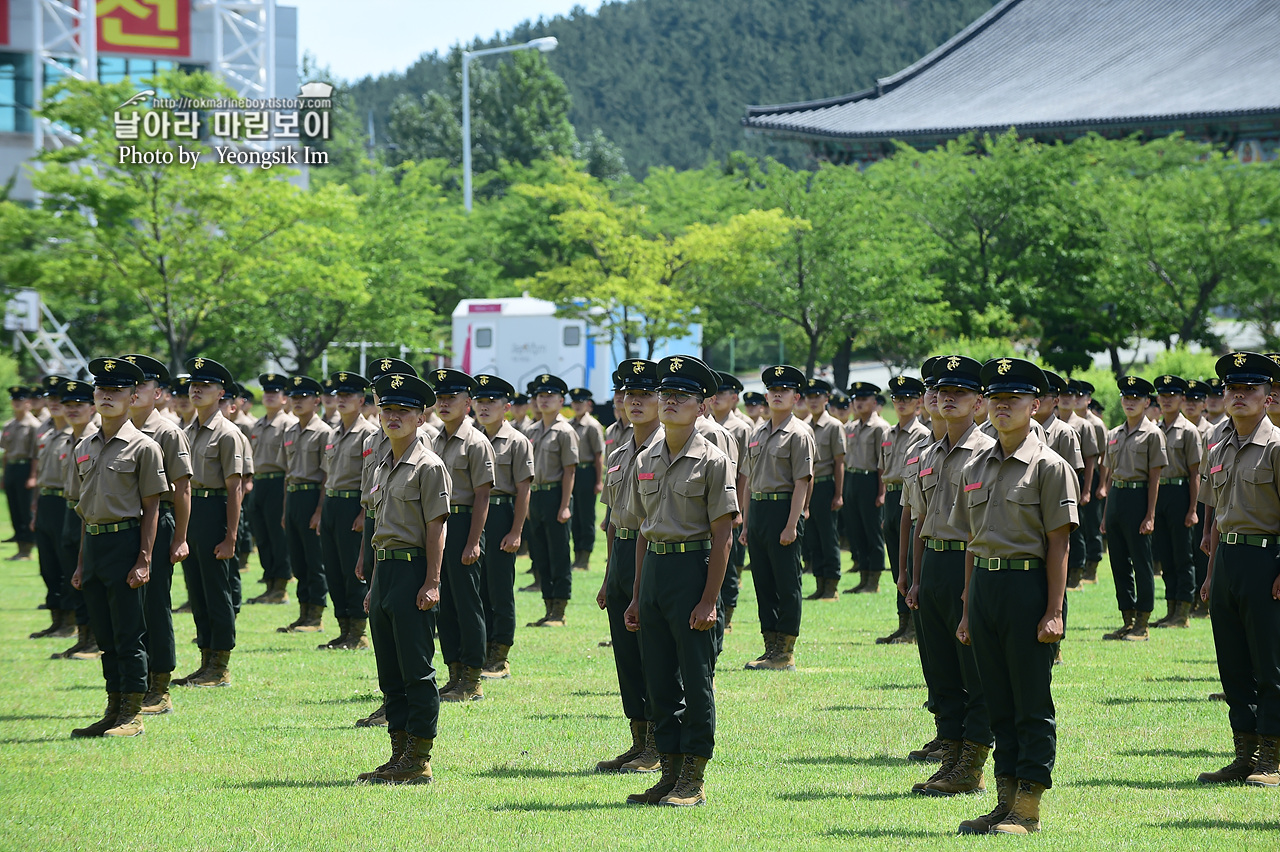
<point>939,483</point>
<point>590,438</point>
<point>989,429</point>
<point>615,436</point>
<point>778,458</point>
<point>110,478</point>
<point>376,445</point>
<point>1099,432</point>
<point>828,436</point>
<point>246,454</point>
<point>1131,455</point>
<point>267,439</point>
<point>469,458</point>
<point>619,479</point>
<point>215,452</point>
<point>911,494</point>
<point>1064,441</point>
<point>18,440</point>
<point>512,459</point>
<point>175,446</point>
<point>53,450</point>
<point>740,429</point>
<point>864,442</point>
<point>719,436</point>
<point>407,496</point>
<point>678,496</point>
<point>555,447</point>
<point>1182,448</point>
<point>1008,505</point>
<point>1241,482</point>
<point>895,446</point>
<point>245,422</point>
<point>1088,436</point>
<point>304,451</point>
<point>343,461</point>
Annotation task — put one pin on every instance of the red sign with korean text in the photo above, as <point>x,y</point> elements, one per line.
<point>144,27</point>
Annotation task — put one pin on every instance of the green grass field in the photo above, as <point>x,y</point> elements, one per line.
<point>813,759</point>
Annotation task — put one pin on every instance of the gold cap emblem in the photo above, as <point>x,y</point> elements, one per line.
<point>1003,366</point>
<point>637,367</point>
<point>71,386</point>
<point>385,364</point>
<point>778,371</point>
<point>198,363</point>
<point>1276,357</point>
<point>342,377</point>
<point>901,381</point>
<point>108,365</point>
<point>677,363</point>
<point>131,359</point>
<point>545,378</point>
<point>1164,380</point>
<point>271,377</point>
<point>397,381</point>
<point>1132,381</point>
<point>440,374</point>
<point>953,362</point>
<point>297,380</point>
<point>1240,359</point>
<point>484,380</point>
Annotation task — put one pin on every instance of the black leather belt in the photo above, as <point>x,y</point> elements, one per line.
<point>998,564</point>
<point>99,529</point>
<point>662,548</point>
<point>408,554</point>
<point>859,470</point>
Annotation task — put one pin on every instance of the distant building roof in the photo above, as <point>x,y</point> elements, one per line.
<point>1050,67</point>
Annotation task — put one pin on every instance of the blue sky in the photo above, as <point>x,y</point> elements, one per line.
<point>389,35</point>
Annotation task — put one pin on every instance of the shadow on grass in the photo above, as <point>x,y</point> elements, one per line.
<point>1181,679</point>
<point>850,708</point>
<point>881,832</point>
<point>534,772</point>
<point>276,783</point>
<point>557,806</point>
<point>92,687</point>
<point>1184,699</point>
<point>553,717</point>
<point>1219,824</point>
<point>847,760</point>
<point>890,686</point>
<point>591,693</point>
<point>32,717</point>
<point>1173,752</point>
<point>1132,783</point>
<point>354,699</point>
<point>34,740</point>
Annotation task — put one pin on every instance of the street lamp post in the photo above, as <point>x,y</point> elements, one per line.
<point>545,45</point>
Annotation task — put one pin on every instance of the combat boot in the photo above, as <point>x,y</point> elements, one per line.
<point>1169,605</point>
<point>1139,632</point>
<point>1199,609</point>
<point>873,584</point>
<point>556,617</point>
<point>336,642</point>
<point>638,730</point>
<point>770,647</point>
<point>862,584</point>
<point>205,657</point>
<point>1266,771</point>
<point>1181,616</point>
<point>827,589</point>
<point>1024,816</point>
<point>1006,790</point>
<point>455,671</point>
<point>376,719</point>
<point>23,554</point>
<point>398,740</point>
<point>304,611</point>
<point>546,602</point>
<point>68,627</point>
<point>499,668</point>
<point>926,752</point>
<point>157,701</point>
<point>966,776</point>
<point>784,658</point>
<point>689,790</point>
<point>1090,573</point>
<point>903,621</point>
<point>108,719</point>
<point>357,635</point>
<point>671,765</point>
<point>1074,578</point>
<point>1240,768</point>
<point>1130,616</point>
<point>185,609</point>
<point>89,651</point>
<point>819,590</point>
<point>413,767</point>
<point>84,639</point>
<point>314,622</point>
<point>217,674</point>
<point>728,618</point>
<point>55,624</point>
<point>582,560</point>
<point>950,758</point>
<point>128,723</point>
<point>277,591</point>
<point>647,760</point>
<point>908,636</point>
<point>467,688</point>
<point>535,586</point>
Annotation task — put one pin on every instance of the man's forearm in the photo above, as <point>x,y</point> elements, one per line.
<point>150,520</point>
<point>181,508</point>
<point>799,498</point>
<point>566,486</point>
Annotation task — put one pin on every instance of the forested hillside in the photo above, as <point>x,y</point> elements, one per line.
<point>667,80</point>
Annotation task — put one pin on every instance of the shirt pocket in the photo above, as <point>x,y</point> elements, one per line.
<point>692,488</point>
<point>123,466</point>
<point>977,497</point>
<point>1025,495</point>
<point>1258,481</point>
<point>406,493</point>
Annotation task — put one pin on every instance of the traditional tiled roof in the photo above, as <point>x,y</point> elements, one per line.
<point>1065,63</point>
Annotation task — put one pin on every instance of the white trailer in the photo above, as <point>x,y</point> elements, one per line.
<point>521,338</point>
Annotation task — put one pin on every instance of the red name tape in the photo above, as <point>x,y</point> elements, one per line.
<point>288,443</point>
<point>754,444</point>
<point>645,476</point>
<point>82,459</point>
<point>974,487</point>
<point>366,453</point>
<point>330,446</point>
<point>926,471</point>
<point>886,443</point>
<point>615,468</point>
<point>913,460</point>
<point>1215,468</point>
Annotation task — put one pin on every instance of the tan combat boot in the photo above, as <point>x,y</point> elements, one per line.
<point>873,584</point>
<point>819,588</point>
<point>925,753</point>
<point>903,621</point>
<point>582,560</point>
<point>357,635</point>
<point>827,591</point>
<point>376,719</point>
<point>689,790</point>
<point>950,758</point>
<point>541,622</point>
<point>157,701</point>
<point>1139,632</point>
<point>314,622</point>
<point>1169,606</point>
<point>646,760</point>
<point>108,719</point>
<point>1090,573</point>
<point>467,688</point>
<point>455,670</point>
<point>205,656</point>
<point>671,766</point>
<point>556,617</point>
<point>128,723</point>
<point>1266,771</point>
<point>1240,768</point>
<point>864,578</point>
<point>1024,816</point>
<point>218,672</point>
<point>336,642</point>
<point>68,627</point>
<point>638,729</point>
<point>55,624</point>
<point>84,644</point>
<point>783,659</point>
<point>1130,616</point>
<point>1181,616</point>
<point>398,739</point>
<point>908,636</point>
<point>499,668</point>
<point>1006,789</point>
<point>728,619</point>
<point>277,591</point>
<point>304,611</point>
<point>770,648</point>
<point>1074,578</point>
<point>413,767</point>
<point>966,776</point>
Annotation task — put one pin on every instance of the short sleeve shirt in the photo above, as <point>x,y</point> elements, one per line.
<point>53,449</point>
<point>679,495</point>
<point>938,481</point>
<point>1182,448</point>
<point>862,449</point>
<point>343,460</point>
<point>112,477</point>
<point>1008,505</point>
<point>407,495</point>
<point>267,439</point>
<point>469,458</point>
<point>590,438</point>
<point>828,436</point>
<point>1132,453</point>
<point>376,445</point>
<point>741,430</point>
<point>912,496</point>
<point>215,452</point>
<point>18,440</point>
<point>895,446</point>
<point>512,459</point>
<point>1064,441</point>
<point>615,436</point>
<point>778,458</point>
<point>304,451</point>
<point>619,478</point>
<point>1088,436</point>
<point>175,446</point>
<point>1241,482</point>
<point>555,447</point>
<point>719,436</point>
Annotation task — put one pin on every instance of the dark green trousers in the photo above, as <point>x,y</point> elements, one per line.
<point>1016,670</point>
<point>679,662</point>
<point>498,576</point>
<point>626,645</point>
<point>549,544</point>
<point>50,509</point>
<point>210,581</point>
<point>305,557</point>
<point>1131,564</point>
<point>266,511</point>
<point>775,569</point>
<point>115,610</point>
<point>157,598</point>
<point>461,619</point>
<point>1171,543</point>
<point>69,546</point>
<point>1246,635</point>
<point>864,520</point>
<point>1091,520</point>
<point>951,671</point>
<point>19,498</point>
<point>583,522</point>
<point>340,549</point>
<point>892,536</point>
<point>820,529</point>
<point>403,647</point>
